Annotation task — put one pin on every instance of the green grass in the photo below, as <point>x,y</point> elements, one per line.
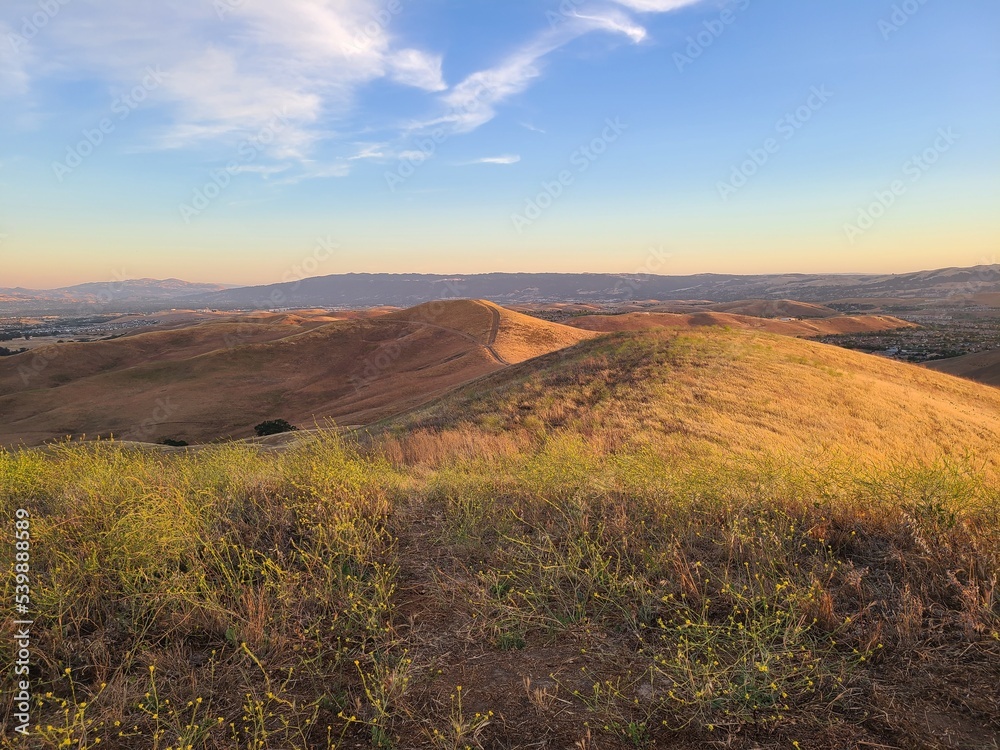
<point>233,598</point>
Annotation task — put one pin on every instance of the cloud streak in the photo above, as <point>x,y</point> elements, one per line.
<point>507,159</point>
<point>229,75</point>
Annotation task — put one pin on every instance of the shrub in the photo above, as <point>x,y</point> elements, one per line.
<point>273,427</point>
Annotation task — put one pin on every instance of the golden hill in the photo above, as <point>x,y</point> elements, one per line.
<point>677,538</point>
<point>781,308</point>
<point>983,367</point>
<point>218,379</point>
<point>729,391</point>
<point>641,321</point>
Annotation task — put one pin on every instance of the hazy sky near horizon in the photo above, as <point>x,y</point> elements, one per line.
<point>239,140</point>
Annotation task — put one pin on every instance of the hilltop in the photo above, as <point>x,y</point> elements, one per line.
<point>217,379</point>
<point>839,324</point>
<point>705,391</point>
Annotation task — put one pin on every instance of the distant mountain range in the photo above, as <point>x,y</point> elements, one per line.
<point>111,292</point>
<point>364,290</point>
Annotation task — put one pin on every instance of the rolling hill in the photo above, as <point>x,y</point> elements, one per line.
<point>218,379</point>
<point>983,367</point>
<point>507,288</point>
<point>781,308</point>
<point>714,391</point>
<point>673,537</point>
<point>804,328</point>
<point>368,290</point>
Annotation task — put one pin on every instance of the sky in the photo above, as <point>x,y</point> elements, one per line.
<point>253,141</point>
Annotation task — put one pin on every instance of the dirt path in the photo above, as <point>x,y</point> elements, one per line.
<point>491,338</point>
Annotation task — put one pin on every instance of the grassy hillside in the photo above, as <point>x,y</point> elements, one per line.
<point>712,392</point>
<point>647,540</point>
<point>782,308</point>
<point>216,380</point>
<point>983,367</point>
<point>643,321</point>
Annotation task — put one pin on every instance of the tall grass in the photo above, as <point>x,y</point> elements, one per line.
<point>230,597</point>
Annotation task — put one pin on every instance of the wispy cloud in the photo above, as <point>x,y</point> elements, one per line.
<point>228,74</point>
<point>13,76</point>
<point>285,76</point>
<point>508,159</point>
<point>370,151</point>
<point>656,6</point>
<point>263,170</point>
<point>473,102</point>
<point>416,68</point>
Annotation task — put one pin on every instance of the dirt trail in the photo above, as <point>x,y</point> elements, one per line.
<point>490,340</point>
<point>494,331</point>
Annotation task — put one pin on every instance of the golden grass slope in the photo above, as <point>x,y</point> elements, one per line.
<point>710,391</point>
<point>781,308</point>
<point>818,327</point>
<point>508,335</point>
<point>656,539</point>
<point>217,380</point>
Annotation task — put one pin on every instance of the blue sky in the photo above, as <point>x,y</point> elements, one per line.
<point>225,140</point>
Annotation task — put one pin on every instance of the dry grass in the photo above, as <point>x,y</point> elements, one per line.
<point>713,393</point>
<point>640,543</point>
<point>216,380</point>
<point>815,326</point>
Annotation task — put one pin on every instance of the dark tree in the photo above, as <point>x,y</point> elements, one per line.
<point>273,427</point>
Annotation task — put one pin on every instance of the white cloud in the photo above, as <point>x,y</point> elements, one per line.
<point>229,75</point>
<point>413,156</point>
<point>413,67</point>
<point>508,159</point>
<point>13,49</point>
<point>312,171</point>
<point>656,6</point>
<point>278,75</point>
<point>473,101</point>
<point>263,170</point>
<point>370,151</point>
